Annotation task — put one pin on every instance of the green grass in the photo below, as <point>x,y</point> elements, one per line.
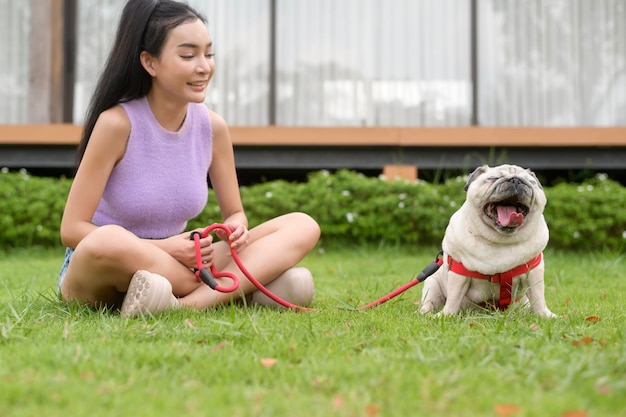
<point>60,360</point>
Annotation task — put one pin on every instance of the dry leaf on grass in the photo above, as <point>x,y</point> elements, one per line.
<point>506,410</point>
<point>371,410</point>
<point>218,347</point>
<point>586,340</point>
<point>268,362</point>
<point>574,413</point>
<point>338,401</point>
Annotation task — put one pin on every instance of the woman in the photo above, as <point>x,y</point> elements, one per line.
<point>147,145</point>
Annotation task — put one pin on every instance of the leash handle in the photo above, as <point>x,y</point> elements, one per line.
<point>203,274</point>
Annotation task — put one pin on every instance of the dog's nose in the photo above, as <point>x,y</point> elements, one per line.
<point>515,181</point>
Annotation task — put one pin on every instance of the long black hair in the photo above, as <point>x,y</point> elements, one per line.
<point>144,26</point>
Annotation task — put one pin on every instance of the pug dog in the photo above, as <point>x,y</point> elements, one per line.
<point>492,247</point>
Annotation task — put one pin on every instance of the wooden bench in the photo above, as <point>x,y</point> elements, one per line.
<point>395,150</point>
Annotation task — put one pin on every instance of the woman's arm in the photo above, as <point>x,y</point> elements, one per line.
<point>224,181</point>
<point>106,147</point>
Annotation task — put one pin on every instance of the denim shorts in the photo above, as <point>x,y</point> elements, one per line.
<point>66,262</point>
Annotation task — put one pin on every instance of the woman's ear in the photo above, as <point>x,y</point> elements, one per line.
<point>147,62</point>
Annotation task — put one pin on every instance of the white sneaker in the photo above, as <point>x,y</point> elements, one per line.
<point>148,293</point>
<point>294,285</point>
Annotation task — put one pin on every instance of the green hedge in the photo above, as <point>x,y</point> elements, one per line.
<point>349,207</point>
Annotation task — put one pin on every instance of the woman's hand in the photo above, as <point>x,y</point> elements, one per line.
<point>239,237</point>
<point>183,248</point>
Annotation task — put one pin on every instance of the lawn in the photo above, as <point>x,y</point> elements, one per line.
<point>60,360</point>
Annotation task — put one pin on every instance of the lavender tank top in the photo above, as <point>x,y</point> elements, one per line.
<point>161,182</point>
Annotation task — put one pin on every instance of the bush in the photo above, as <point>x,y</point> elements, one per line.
<point>587,216</point>
<point>31,209</point>
<point>349,207</point>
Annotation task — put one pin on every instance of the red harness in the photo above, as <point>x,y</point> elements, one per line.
<point>504,278</point>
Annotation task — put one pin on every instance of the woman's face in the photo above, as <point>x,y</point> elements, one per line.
<point>185,66</point>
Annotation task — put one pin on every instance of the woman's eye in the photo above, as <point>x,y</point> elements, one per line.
<point>209,56</point>
<point>186,56</point>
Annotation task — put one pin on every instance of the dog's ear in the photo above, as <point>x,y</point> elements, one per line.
<point>535,177</point>
<point>477,172</point>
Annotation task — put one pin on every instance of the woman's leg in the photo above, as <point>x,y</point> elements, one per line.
<point>273,247</point>
<point>104,262</point>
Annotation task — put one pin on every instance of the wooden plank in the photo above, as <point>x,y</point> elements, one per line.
<point>404,172</point>
<point>514,136</point>
<point>40,134</point>
<point>47,62</point>
<point>306,136</point>
<point>419,136</point>
<point>69,134</point>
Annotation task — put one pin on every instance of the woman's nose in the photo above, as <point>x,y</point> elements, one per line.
<point>204,66</point>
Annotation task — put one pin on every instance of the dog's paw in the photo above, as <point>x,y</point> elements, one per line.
<point>547,314</point>
<point>427,308</point>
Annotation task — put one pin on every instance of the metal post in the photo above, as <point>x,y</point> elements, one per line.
<point>272,66</point>
<point>69,64</point>
<point>474,60</point>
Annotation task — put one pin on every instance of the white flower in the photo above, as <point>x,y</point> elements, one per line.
<point>402,196</point>
<point>576,235</point>
<point>589,187</point>
<point>268,194</point>
<point>4,170</point>
<point>345,193</point>
<point>602,176</point>
<point>452,203</point>
<point>580,189</point>
<point>350,217</point>
<point>401,204</point>
<point>39,228</point>
<point>624,234</point>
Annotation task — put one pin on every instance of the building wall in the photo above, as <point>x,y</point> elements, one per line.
<point>375,62</point>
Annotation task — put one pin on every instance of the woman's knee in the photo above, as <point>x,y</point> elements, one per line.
<point>306,226</point>
<point>311,224</point>
<point>106,241</point>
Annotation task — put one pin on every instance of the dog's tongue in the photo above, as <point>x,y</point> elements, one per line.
<point>509,217</point>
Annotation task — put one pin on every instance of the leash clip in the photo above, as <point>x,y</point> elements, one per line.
<point>431,268</point>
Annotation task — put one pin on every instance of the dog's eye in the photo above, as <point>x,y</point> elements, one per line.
<point>492,178</point>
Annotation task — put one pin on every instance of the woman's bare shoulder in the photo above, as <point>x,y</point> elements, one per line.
<point>218,124</point>
<point>114,120</point>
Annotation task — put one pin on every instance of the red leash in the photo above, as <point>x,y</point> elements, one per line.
<point>202,274</point>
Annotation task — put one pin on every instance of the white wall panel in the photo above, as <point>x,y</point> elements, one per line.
<point>14,60</point>
<point>552,62</point>
<point>96,22</point>
<point>240,30</point>
<point>373,62</point>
